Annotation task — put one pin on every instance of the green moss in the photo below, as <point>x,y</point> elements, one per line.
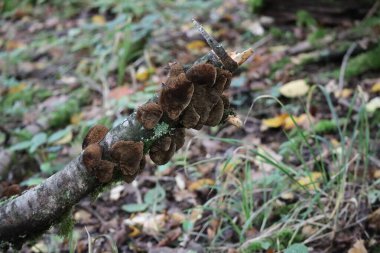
<point>66,225</point>
<point>362,63</point>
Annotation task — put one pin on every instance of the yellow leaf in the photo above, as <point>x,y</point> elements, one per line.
<point>345,93</point>
<point>358,247</point>
<point>275,121</point>
<point>135,231</point>
<point>98,20</point>
<point>310,181</point>
<point>296,88</point>
<point>229,166</point>
<point>195,45</point>
<point>289,124</point>
<point>17,88</point>
<point>75,119</point>
<point>197,185</point>
<point>143,74</point>
<point>376,87</point>
<point>65,139</point>
<point>373,105</point>
<point>13,44</point>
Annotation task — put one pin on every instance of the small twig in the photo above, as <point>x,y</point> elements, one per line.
<point>218,49</point>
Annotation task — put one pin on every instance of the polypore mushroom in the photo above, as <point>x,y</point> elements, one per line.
<point>162,150</point>
<point>223,79</point>
<point>176,93</point>
<point>202,74</point>
<point>128,156</point>
<point>94,135</point>
<point>92,160</point>
<point>149,114</point>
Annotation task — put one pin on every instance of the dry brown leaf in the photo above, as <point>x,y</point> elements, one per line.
<point>16,89</point>
<point>358,247</point>
<point>201,183</point>
<point>120,92</point>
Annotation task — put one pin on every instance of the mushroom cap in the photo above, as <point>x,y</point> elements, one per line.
<point>128,155</point>
<point>104,171</point>
<point>160,156</point>
<point>94,135</point>
<point>189,117</point>
<point>202,74</point>
<point>223,79</point>
<point>217,114</point>
<point>91,156</point>
<point>149,114</point>
<point>176,95</point>
<point>178,137</point>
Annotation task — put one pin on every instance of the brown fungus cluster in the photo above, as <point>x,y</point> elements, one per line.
<point>188,99</point>
<point>128,156</point>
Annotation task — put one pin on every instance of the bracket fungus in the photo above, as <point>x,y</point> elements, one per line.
<point>128,156</point>
<point>176,93</point>
<point>149,114</point>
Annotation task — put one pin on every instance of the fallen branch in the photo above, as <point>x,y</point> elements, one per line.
<point>36,210</point>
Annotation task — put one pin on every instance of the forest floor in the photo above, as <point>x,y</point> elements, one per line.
<point>301,175</point>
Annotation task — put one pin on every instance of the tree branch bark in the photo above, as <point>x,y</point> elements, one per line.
<point>36,210</point>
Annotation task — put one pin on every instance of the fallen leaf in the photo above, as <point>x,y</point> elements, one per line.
<point>358,247</point>
<point>14,44</point>
<point>344,93</point>
<point>201,183</point>
<point>120,92</point>
<point>376,87</point>
<point>296,88</point>
<point>151,224</point>
<point>65,139</point>
<point>312,181</point>
<point>195,45</point>
<point>289,124</point>
<point>98,20</point>
<point>373,105</point>
<point>82,216</point>
<point>376,174</point>
<point>16,89</point>
<point>135,231</point>
<point>276,121</point>
<point>76,118</point>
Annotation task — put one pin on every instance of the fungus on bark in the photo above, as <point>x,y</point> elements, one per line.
<point>176,93</point>
<point>128,155</point>
<point>149,114</point>
<point>162,150</point>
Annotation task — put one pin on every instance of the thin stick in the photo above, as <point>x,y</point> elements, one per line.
<point>218,49</point>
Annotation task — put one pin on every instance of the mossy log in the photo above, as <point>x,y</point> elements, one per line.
<point>29,215</point>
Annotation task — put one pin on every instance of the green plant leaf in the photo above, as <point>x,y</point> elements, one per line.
<point>297,248</point>
<point>154,195</point>
<point>58,135</point>
<point>134,208</point>
<point>20,146</point>
<point>37,141</point>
